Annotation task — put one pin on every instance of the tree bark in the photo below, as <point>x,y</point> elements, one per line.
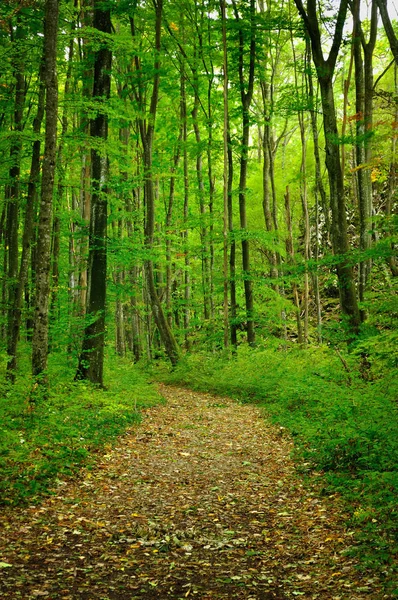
<point>15,327</point>
<point>325,70</point>
<point>12,192</point>
<point>147,128</point>
<point>91,359</point>
<point>225,173</point>
<point>43,263</point>
<point>385,17</point>
<point>246,99</point>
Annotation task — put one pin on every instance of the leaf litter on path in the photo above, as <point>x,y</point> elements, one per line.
<point>201,501</point>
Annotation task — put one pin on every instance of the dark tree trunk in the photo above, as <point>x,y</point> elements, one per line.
<point>40,330</point>
<point>246,98</point>
<point>91,360</point>
<point>325,70</point>
<point>385,17</point>
<point>12,191</point>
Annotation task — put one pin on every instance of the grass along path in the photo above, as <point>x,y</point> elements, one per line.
<point>202,500</point>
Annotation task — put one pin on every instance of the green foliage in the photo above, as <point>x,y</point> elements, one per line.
<point>61,432</point>
<point>343,420</point>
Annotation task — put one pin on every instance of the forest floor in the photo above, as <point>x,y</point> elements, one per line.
<point>201,500</point>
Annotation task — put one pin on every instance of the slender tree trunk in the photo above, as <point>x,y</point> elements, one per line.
<point>87,59</point>
<point>91,359</point>
<point>13,188</point>
<point>232,252</point>
<point>391,189</point>
<point>147,128</point>
<point>120,338</point>
<point>55,251</point>
<point>187,276</point>
<point>40,331</point>
<point>246,98</point>
<point>14,332</point>
<point>392,38</point>
<point>290,253</point>
<point>168,227</point>
<point>202,208</point>
<point>225,173</point>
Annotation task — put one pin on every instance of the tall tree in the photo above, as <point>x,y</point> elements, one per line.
<point>225,171</point>
<point>246,96</point>
<point>43,263</point>
<point>146,124</point>
<point>325,71</point>
<point>92,356</point>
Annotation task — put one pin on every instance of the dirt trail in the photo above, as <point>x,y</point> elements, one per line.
<point>200,501</point>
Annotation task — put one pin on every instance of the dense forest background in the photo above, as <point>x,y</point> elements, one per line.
<point>210,186</point>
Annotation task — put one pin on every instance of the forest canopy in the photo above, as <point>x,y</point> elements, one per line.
<point>195,175</point>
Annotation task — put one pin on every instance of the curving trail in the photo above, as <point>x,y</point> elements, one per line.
<point>200,501</point>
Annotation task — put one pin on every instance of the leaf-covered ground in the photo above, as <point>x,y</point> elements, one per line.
<point>202,500</point>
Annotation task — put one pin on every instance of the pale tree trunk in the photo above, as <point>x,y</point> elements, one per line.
<point>91,360</point>
<point>40,330</point>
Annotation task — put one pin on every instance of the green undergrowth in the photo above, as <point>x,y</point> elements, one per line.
<point>342,413</point>
<point>63,431</point>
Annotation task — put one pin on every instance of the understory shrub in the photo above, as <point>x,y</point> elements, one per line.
<point>63,430</point>
<point>344,426</point>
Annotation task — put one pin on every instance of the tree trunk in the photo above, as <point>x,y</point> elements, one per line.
<point>91,359</point>
<point>187,276</point>
<point>325,71</point>
<point>246,98</point>
<point>13,187</point>
<point>392,38</point>
<point>14,331</point>
<point>290,253</point>
<point>43,264</point>
<point>225,174</point>
<point>147,128</point>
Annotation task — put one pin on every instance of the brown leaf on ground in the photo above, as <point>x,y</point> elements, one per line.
<point>202,500</point>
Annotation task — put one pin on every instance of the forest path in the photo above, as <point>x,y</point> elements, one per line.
<point>200,501</point>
